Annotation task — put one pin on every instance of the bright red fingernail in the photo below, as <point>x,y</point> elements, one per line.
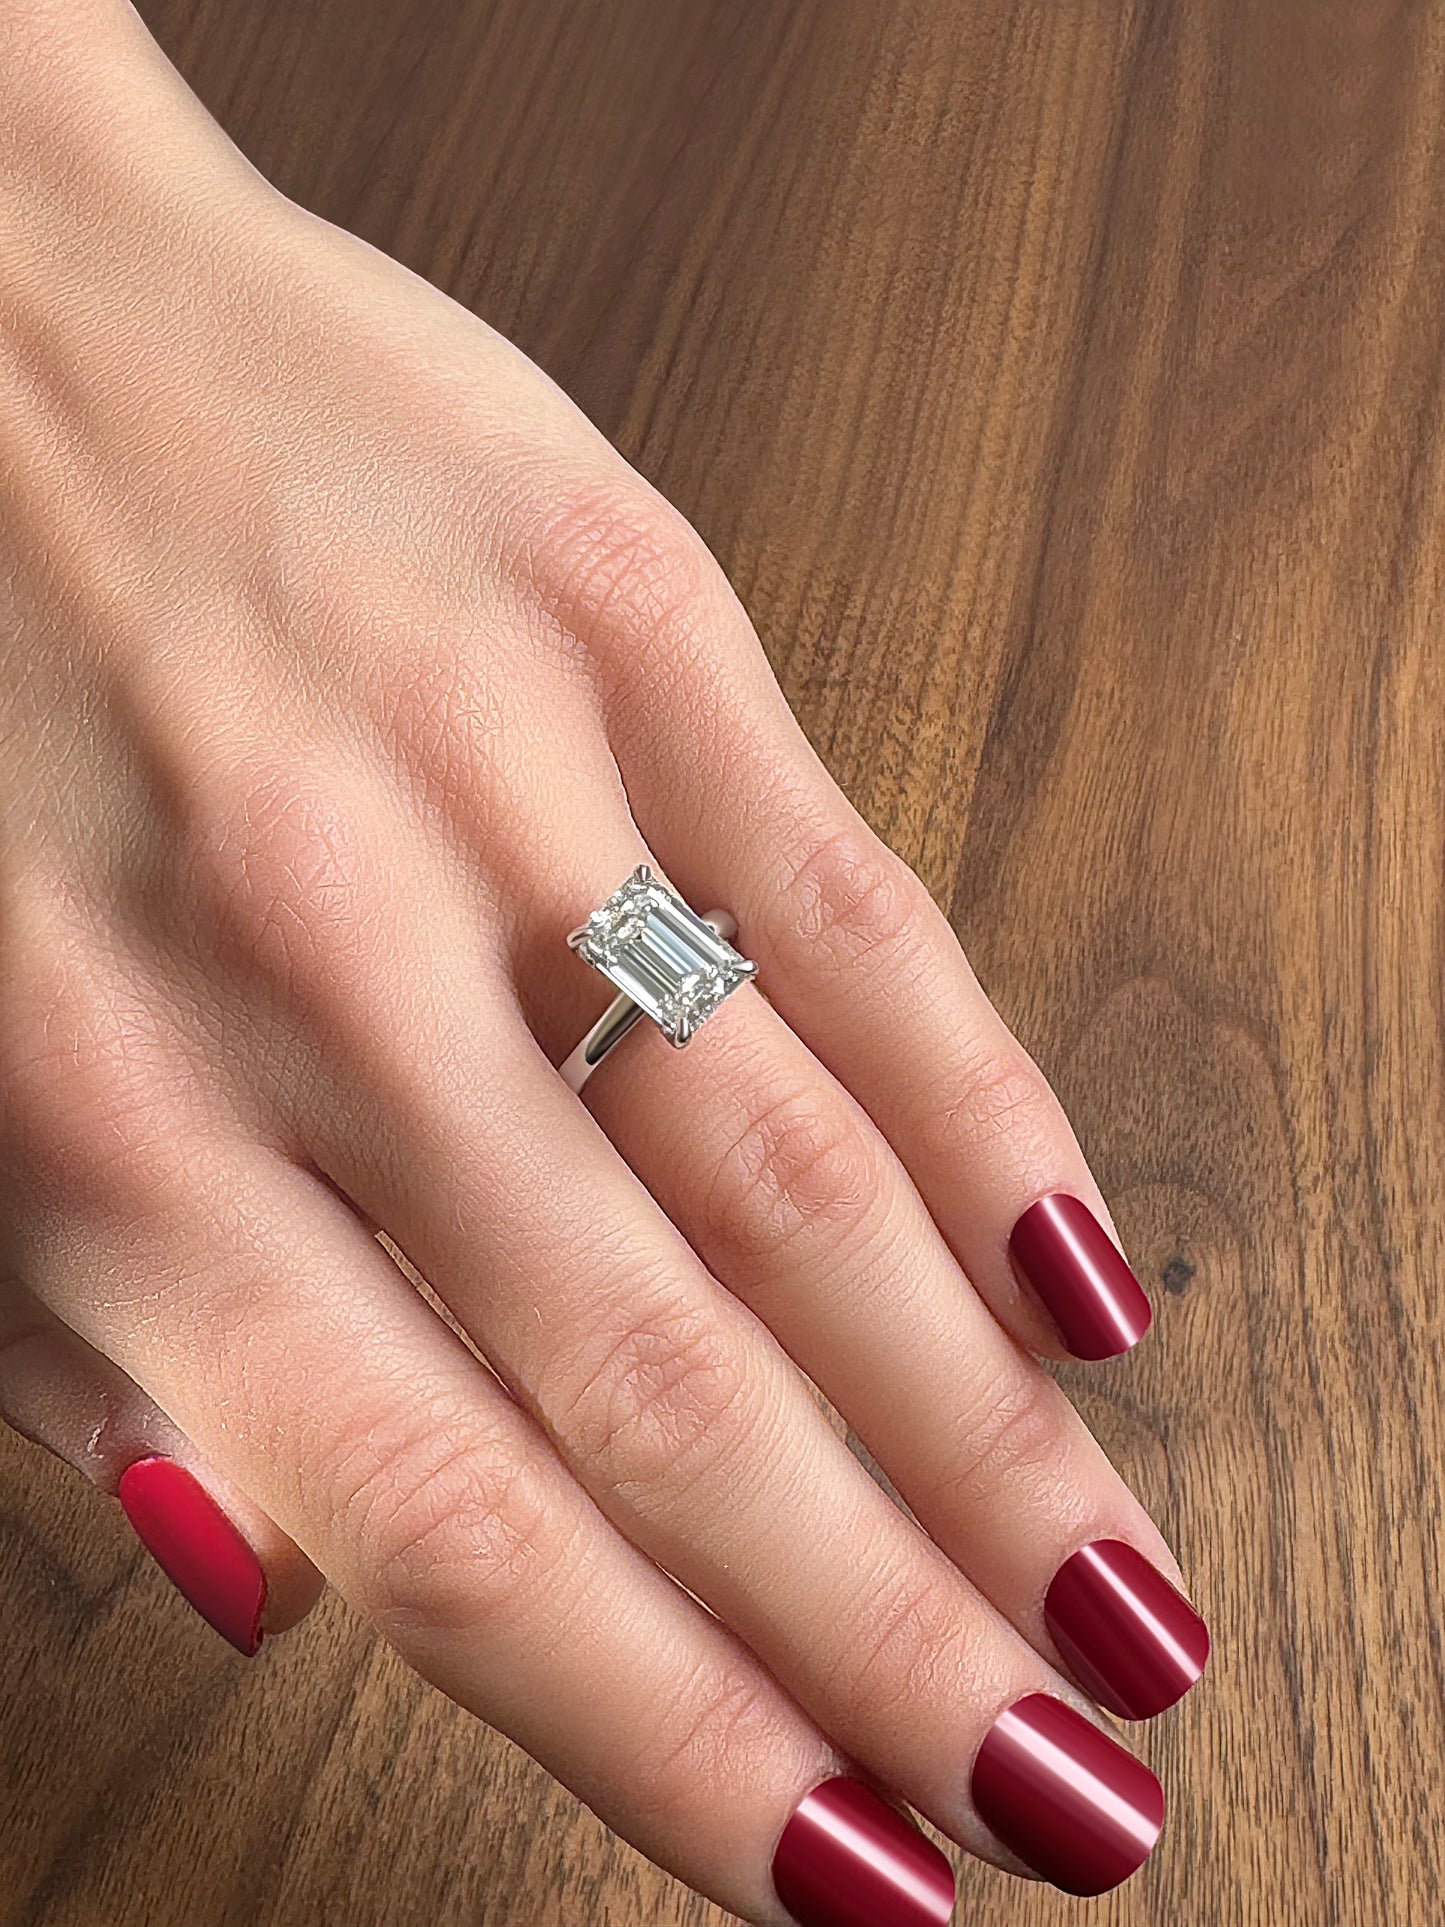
<point>846,1859</point>
<point>1079,1809</point>
<point>197,1547</point>
<point>1131,1638</point>
<point>1064,1254</point>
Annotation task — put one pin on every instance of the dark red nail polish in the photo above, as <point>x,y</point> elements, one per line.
<point>846,1859</point>
<point>1079,1809</point>
<point>1060,1249</point>
<point>196,1547</point>
<point>1129,1637</point>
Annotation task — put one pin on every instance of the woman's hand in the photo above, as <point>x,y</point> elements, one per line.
<point>343,669</point>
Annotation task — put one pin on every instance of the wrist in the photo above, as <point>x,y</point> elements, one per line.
<point>103,147</point>
<point>130,235</point>
<point>121,202</point>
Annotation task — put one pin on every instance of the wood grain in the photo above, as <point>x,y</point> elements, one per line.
<point>1061,385</point>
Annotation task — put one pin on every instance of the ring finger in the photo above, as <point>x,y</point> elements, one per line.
<point>857,956</point>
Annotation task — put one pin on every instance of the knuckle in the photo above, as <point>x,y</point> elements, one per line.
<point>703,1732</point>
<point>906,1641</point>
<point>799,1165</point>
<point>1004,1436</point>
<point>453,1530</point>
<point>668,1398</point>
<point>620,570</point>
<point>850,898</point>
<point>998,1091</point>
<point>285,877</point>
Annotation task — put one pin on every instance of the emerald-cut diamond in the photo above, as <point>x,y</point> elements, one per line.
<point>675,966</point>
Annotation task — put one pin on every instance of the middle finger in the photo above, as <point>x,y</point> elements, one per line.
<point>791,1195</point>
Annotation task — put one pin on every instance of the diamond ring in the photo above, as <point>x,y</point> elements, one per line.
<point>666,962</point>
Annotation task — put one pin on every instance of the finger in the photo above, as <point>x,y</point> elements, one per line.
<point>681,1417</point>
<point>220,1550</point>
<point>853,950</point>
<point>789,1193</point>
<point>412,1084</point>
<point>303,1362</point>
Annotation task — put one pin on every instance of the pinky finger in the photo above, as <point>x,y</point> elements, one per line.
<point>222,1553</point>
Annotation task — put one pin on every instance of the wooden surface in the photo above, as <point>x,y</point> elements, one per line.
<point>1060,382</point>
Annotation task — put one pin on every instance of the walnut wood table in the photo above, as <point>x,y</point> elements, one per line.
<point>1062,383</point>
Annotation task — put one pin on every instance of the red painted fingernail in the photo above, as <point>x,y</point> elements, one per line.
<point>196,1547</point>
<point>846,1859</point>
<point>1060,1249</point>
<point>1131,1638</point>
<point>1079,1809</point>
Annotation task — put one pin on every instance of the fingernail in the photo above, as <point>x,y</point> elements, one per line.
<point>846,1859</point>
<point>1079,1809</point>
<point>196,1547</point>
<point>1130,1637</point>
<point>1060,1249</point>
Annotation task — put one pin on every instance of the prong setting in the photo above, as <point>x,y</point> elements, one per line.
<point>652,946</point>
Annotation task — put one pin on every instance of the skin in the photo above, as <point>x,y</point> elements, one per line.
<point>343,668</point>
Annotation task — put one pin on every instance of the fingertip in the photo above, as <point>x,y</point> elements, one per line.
<point>293,1585</point>
<point>198,1547</point>
<point>1075,1272</point>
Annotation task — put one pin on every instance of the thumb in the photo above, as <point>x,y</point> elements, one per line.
<point>221,1552</point>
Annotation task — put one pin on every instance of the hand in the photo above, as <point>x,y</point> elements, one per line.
<point>345,669</point>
